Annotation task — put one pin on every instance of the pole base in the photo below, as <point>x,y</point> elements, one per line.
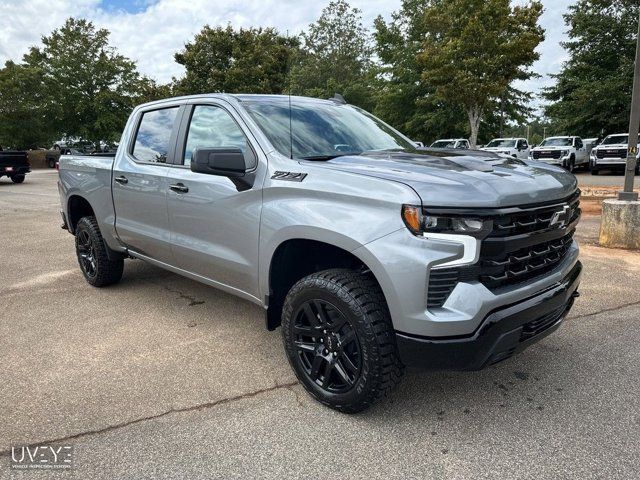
<point>620,226</point>
<point>628,196</point>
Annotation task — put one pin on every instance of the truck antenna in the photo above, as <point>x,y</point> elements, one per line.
<point>289,95</point>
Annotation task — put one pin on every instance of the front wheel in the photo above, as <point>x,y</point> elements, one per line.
<point>52,163</point>
<point>339,340</point>
<point>93,258</point>
<point>18,178</point>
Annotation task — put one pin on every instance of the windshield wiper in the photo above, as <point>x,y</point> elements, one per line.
<point>323,157</point>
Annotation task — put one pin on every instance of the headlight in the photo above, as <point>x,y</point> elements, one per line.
<point>420,222</point>
<point>564,153</point>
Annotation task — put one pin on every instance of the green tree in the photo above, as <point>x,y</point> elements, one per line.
<point>24,112</point>
<point>253,60</point>
<point>592,94</point>
<point>473,50</point>
<point>336,57</point>
<point>402,98</point>
<point>90,87</point>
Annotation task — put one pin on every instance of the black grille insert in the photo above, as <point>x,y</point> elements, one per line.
<point>525,243</point>
<point>611,153</point>
<point>539,325</point>
<point>547,154</point>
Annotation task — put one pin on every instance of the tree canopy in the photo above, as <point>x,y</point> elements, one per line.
<point>335,57</point>
<point>222,59</point>
<point>24,112</point>
<point>592,94</point>
<point>89,87</point>
<point>473,50</point>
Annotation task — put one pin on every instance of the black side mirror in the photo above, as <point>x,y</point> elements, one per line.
<point>223,161</point>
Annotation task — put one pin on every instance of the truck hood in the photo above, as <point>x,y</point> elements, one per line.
<point>539,149</point>
<point>614,146</point>
<point>469,179</point>
<point>496,149</point>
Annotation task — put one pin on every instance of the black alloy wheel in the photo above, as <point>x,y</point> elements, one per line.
<point>339,339</point>
<point>98,266</point>
<point>86,254</point>
<point>327,345</point>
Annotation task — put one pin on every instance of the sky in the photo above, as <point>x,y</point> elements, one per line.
<point>151,31</point>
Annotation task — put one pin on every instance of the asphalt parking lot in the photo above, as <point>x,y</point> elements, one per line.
<point>161,377</point>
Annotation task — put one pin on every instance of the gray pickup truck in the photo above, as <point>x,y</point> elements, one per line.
<point>370,254</point>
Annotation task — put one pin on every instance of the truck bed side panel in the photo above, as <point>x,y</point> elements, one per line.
<point>89,177</point>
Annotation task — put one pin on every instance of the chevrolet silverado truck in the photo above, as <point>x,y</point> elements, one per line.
<point>567,152</point>
<point>14,164</point>
<point>611,154</point>
<point>369,253</point>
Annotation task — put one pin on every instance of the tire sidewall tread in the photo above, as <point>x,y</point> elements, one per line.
<point>108,271</point>
<point>358,297</point>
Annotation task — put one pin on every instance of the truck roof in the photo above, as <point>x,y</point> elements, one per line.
<point>241,97</point>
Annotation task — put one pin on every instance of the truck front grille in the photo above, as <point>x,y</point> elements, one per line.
<point>525,244</point>
<point>547,154</point>
<point>612,153</point>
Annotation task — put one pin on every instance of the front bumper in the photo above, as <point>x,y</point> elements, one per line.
<point>502,333</point>
<point>608,163</point>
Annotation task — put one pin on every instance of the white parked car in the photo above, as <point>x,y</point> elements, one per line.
<point>514,147</point>
<point>462,143</point>
<point>567,152</point>
<point>611,154</point>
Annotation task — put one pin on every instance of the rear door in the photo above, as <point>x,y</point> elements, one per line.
<point>215,221</point>
<point>140,184</point>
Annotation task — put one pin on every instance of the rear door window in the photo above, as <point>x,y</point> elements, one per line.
<point>154,135</point>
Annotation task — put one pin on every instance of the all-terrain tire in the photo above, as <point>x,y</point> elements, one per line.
<point>358,297</point>
<point>18,178</point>
<point>91,250</point>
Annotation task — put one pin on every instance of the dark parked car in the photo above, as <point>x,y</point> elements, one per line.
<point>14,164</point>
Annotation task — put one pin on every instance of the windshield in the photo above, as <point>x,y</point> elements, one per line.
<point>557,142</point>
<point>444,144</point>
<point>501,143</point>
<point>616,139</point>
<point>322,130</point>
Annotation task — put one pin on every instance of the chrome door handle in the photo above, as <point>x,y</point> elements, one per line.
<point>179,187</point>
<point>121,180</point>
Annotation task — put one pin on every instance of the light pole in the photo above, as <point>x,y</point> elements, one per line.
<point>634,127</point>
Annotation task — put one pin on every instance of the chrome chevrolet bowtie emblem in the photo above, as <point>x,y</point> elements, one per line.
<point>561,218</point>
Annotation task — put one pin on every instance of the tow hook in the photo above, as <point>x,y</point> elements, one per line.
<point>575,294</point>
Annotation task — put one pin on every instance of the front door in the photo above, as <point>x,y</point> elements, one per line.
<point>140,185</point>
<point>215,221</point>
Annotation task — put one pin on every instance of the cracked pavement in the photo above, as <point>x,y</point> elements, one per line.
<point>161,377</point>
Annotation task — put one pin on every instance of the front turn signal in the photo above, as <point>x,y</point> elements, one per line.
<point>412,217</point>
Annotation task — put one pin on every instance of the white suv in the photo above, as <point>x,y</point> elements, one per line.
<point>568,152</point>
<point>462,143</point>
<point>514,147</point>
<point>611,154</point>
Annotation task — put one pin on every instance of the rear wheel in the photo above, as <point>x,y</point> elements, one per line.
<point>339,340</point>
<point>18,178</point>
<point>52,163</point>
<point>93,259</point>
